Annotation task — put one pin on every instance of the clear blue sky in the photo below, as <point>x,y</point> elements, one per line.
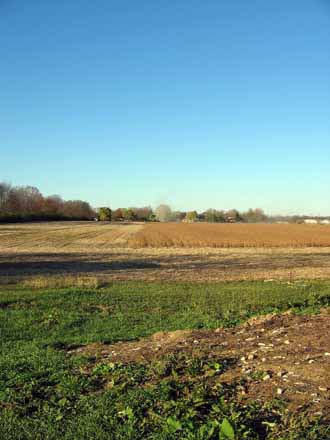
<point>199,104</point>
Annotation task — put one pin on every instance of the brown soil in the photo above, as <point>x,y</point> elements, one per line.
<point>279,356</point>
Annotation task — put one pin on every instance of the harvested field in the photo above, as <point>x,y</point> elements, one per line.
<point>100,252</point>
<point>164,264</point>
<point>230,235</point>
<point>91,236</point>
<point>67,236</point>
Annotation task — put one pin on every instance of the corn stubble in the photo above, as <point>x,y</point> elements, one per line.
<point>230,235</point>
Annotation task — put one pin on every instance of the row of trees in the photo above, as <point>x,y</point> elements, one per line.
<point>26,203</point>
<point>126,214</point>
<point>164,213</point>
<point>231,216</point>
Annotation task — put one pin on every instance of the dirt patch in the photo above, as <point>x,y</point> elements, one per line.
<point>277,356</point>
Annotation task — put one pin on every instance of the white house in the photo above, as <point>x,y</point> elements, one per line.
<point>311,221</point>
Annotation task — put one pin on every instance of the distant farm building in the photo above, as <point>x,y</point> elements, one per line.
<point>231,219</point>
<point>311,221</point>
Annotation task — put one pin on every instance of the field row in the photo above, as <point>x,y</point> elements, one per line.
<point>230,235</point>
<point>65,236</point>
<point>98,237</point>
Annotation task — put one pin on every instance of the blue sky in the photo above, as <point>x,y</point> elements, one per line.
<point>195,103</point>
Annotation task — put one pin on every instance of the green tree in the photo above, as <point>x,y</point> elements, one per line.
<point>128,214</point>
<point>191,216</point>
<point>254,216</point>
<point>214,216</point>
<point>104,214</point>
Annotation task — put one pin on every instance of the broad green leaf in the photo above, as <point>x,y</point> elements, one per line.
<point>173,424</point>
<point>226,430</point>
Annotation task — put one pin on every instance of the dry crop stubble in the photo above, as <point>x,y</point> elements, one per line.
<point>92,236</point>
<point>59,252</point>
<point>230,235</point>
<point>68,236</point>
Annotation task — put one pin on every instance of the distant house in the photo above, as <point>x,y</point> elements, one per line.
<point>325,222</point>
<point>311,221</point>
<point>231,219</point>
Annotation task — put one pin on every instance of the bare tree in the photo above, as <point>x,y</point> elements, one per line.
<point>4,195</point>
<point>27,203</point>
<point>163,213</point>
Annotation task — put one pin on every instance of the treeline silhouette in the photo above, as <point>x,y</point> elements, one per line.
<point>164,213</point>
<point>26,203</point>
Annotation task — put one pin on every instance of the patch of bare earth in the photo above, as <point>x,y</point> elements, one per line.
<point>277,356</point>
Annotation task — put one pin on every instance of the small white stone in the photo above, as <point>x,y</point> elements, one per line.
<point>323,388</point>
<point>318,413</point>
<point>279,391</point>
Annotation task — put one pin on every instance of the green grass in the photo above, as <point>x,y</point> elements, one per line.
<point>45,394</point>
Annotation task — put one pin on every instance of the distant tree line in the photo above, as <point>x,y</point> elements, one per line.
<point>164,213</point>
<point>144,214</point>
<point>26,203</point>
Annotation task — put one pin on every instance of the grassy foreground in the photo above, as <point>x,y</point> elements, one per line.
<point>46,394</point>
